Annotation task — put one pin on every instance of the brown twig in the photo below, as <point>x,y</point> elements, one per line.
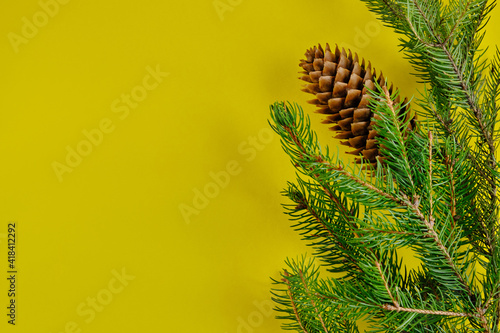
<point>386,284</point>
<point>428,312</point>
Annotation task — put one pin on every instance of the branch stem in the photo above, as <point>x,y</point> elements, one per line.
<point>292,302</point>
<point>390,307</point>
<point>312,302</point>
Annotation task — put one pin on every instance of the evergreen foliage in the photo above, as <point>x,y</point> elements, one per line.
<point>434,193</point>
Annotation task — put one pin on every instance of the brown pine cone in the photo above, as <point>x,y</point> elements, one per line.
<point>340,84</point>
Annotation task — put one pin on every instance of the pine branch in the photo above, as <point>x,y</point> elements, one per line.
<point>323,226</point>
<point>394,141</point>
<point>313,303</point>
<point>402,318</point>
<point>434,188</point>
<point>386,285</point>
<point>292,302</point>
<point>439,51</point>
<point>465,84</point>
<point>305,309</point>
<point>300,143</point>
<point>451,160</point>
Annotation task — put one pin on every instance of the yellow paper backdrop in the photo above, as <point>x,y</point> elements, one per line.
<point>137,162</point>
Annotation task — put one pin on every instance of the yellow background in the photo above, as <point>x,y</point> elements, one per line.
<point>120,208</point>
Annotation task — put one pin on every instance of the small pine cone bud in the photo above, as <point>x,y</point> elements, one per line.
<point>340,83</point>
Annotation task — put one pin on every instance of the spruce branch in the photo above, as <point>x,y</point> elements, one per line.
<point>298,299</point>
<point>448,61</point>
<point>386,284</point>
<point>448,272</point>
<point>394,142</point>
<point>313,303</point>
<point>292,303</point>
<point>322,226</point>
<point>446,58</point>
<point>431,186</point>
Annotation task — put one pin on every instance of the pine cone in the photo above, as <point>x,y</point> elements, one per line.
<point>340,84</point>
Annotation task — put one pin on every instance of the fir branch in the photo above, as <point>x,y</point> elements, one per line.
<point>339,251</point>
<point>286,120</point>
<point>318,167</point>
<point>428,25</point>
<point>486,231</point>
<point>369,187</point>
<point>443,53</point>
<point>302,146</point>
<point>450,162</point>
<point>318,163</point>
<point>386,284</point>
<point>304,305</point>
<point>392,117</point>
<point>461,14</point>
<point>472,101</point>
<point>389,115</point>
<point>318,314</point>
<point>436,191</point>
<point>292,302</point>
<point>358,301</point>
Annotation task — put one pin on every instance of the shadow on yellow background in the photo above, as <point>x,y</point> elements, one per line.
<point>137,161</point>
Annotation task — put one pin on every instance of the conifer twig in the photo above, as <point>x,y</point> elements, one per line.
<point>332,235</point>
<point>434,188</point>
<point>431,218</point>
<point>386,284</point>
<point>290,295</point>
<point>318,314</point>
<point>428,312</point>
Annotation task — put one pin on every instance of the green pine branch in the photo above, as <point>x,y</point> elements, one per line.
<point>445,260</point>
<point>442,43</point>
<point>434,192</point>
